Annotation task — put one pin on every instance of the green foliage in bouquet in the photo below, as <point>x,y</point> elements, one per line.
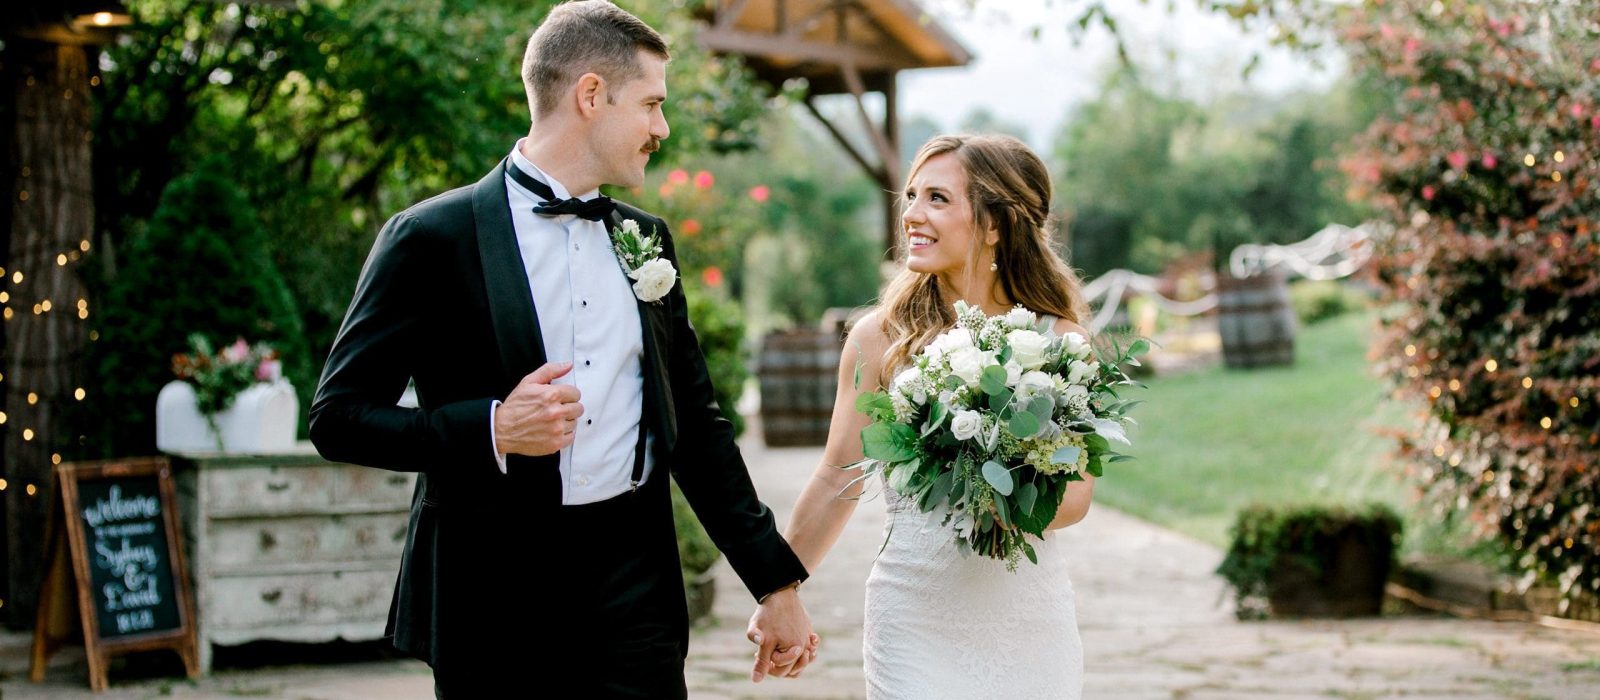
<point>991,423</point>
<point>1487,169</point>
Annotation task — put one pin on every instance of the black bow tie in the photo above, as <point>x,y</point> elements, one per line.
<point>596,209</point>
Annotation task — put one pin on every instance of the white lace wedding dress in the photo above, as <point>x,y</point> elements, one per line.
<point>943,624</point>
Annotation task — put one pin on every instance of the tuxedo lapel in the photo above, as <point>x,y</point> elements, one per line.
<point>511,309</point>
<point>654,325</point>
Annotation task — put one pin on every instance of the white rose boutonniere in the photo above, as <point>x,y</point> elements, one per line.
<point>640,258</point>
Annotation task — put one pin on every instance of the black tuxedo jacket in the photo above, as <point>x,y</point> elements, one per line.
<point>443,299</point>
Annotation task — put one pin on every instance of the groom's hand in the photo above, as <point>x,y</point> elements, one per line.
<point>782,629</point>
<point>538,418</point>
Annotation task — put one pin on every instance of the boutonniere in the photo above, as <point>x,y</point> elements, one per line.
<point>640,257</point>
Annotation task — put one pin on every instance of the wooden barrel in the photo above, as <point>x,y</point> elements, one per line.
<point>799,372</point>
<point>1256,320</point>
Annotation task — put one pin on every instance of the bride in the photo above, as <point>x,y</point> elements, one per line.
<point>942,622</point>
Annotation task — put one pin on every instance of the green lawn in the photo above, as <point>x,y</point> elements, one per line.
<point>1213,441</point>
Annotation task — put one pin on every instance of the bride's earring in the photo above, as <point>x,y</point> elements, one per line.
<point>994,265</point>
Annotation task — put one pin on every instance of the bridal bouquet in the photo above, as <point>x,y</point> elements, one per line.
<point>992,421</point>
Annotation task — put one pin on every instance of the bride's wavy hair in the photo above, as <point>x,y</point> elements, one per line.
<point>1009,187</point>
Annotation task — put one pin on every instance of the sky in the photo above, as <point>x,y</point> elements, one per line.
<point>1034,83</point>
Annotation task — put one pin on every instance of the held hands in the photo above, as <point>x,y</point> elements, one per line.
<point>538,418</point>
<point>781,627</point>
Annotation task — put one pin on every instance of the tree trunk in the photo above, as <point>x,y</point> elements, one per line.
<point>51,220</point>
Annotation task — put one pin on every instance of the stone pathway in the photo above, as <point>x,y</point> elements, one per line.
<point>1155,625</point>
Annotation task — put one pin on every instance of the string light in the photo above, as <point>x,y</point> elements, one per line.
<point>1488,475</point>
<point>1555,176</point>
<point>33,398</point>
<point>1491,366</point>
<point>23,195</point>
<point>45,305</point>
<point>1560,156</point>
<point>1455,385</point>
<point>16,277</point>
<point>1573,401</point>
<point>1527,382</point>
<point>3,484</point>
<point>61,259</point>
<point>55,458</point>
<point>32,489</point>
<point>1435,391</point>
<point>1455,460</point>
<point>1528,160</point>
<point>8,313</point>
<point>84,245</point>
<point>1411,351</point>
<point>1545,422</point>
<point>1438,450</point>
<point>5,297</point>
<point>2,417</point>
<point>27,434</point>
<point>79,394</point>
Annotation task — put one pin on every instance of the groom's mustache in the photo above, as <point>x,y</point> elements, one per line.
<point>652,146</point>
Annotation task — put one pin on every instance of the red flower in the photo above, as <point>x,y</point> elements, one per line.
<point>703,180</point>
<point>678,177</point>
<point>691,227</point>
<point>1457,159</point>
<point>1489,161</point>
<point>666,190</point>
<point>760,193</point>
<point>1428,192</point>
<point>712,276</point>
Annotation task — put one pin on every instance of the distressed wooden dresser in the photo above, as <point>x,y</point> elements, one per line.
<point>290,546</point>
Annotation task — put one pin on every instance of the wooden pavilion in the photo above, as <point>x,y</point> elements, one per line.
<point>839,47</point>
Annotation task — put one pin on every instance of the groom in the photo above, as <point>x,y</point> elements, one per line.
<point>556,396</point>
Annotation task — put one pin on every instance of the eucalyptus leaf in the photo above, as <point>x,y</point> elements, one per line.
<point>1026,497</point>
<point>1024,425</point>
<point>998,477</point>
<point>993,380</point>
<point>1066,455</point>
<point>1001,403</point>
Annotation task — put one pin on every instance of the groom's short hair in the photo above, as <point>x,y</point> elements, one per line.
<point>584,36</point>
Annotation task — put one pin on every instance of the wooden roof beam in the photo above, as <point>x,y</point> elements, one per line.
<point>784,48</point>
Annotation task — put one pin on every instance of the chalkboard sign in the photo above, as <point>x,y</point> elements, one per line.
<point>115,543</point>
<point>130,571</point>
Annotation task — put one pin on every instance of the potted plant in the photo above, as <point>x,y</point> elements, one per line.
<point>233,400</point>
<point>1311,561</point>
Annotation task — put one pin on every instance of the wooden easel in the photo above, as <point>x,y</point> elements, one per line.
<point>68,579</point>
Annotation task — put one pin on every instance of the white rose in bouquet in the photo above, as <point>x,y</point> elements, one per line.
<point>1021,318</point>
<point>1028,348</point>
<point>968,363</point>
<point>966,425</point>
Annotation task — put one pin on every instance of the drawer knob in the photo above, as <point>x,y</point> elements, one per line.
<point>277,486</point>
<point>272,596</point>
<point>268,541</point>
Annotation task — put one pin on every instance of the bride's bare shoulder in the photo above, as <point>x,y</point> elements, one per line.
<point>869,331</point>
<point>867,343</point>
<point>1065,326</point>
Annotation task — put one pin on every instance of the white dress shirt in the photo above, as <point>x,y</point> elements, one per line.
<point>589,317</point>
